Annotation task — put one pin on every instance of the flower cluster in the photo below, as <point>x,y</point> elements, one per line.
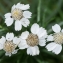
<point>30,40</point>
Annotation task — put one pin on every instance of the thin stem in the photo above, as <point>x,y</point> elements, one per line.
<point>38,11</point>
<point>43,20</point>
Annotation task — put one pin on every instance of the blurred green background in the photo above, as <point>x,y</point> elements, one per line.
<point>46,13</point>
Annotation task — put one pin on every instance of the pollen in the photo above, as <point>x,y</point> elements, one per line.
<point>32,40</point>
<point>58,38</point>
<point>17,14</point>
<point>9,46</point>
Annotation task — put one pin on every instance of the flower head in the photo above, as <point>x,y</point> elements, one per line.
<point>57,38</point>
<point>33,39</point>
<point>9,44</point>
<point>20,15</point>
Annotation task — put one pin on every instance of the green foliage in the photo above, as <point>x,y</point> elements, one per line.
<point>46,13</point>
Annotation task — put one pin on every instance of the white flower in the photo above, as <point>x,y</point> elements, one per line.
<point>9,44</point>
<point>33,39</point>
<point>20,15</point>
<point>57,40</point>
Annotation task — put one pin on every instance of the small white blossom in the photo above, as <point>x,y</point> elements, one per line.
<point>9,43</point>
<point>57,40</point>
<point>20,15</point>
<point>33,39</point>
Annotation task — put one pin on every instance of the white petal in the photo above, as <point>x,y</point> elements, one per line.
<point>15,51</point>
<point>56,28</point>
<point>35,28</point>
<point>13,7</point>
<point>22,44</point>
<point>25,22</point>
<point>25,7</point>
<point>18,25</point>
<point>8,54</point>
<point>42,32</point>
<point>18,5</point>
<point>62,30</point>
<point>50,38</point>
<point>45,36</point>
<point>57,49</point>
<point>51,46</point>
<point>27,14</point>
<point>2,41</point>
<point>33,50</point>
<point>42,42</point>
<point>16,40</point>
<point>24,35</point>
<point>1,46</point>
<point>9,21</point>
<point>7,15</point>
<point>9,36</point>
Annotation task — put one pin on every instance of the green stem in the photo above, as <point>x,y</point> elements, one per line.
<point>38,11</point>
<point>43,20</point>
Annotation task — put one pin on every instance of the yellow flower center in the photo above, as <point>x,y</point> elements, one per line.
<point>32,40</point>
<point>58,38</point>
<point>9,46</point>
<point>17,14</point>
